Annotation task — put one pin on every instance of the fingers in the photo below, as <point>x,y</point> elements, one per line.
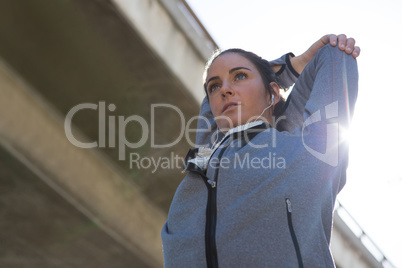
<point>356,52</point>
<point>332,39</point>
<point>348,45</point>
<point>344,44</point>
<point>342,41</point>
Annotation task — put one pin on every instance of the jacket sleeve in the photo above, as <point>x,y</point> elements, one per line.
<point>332,78</point>
<point>286,75</point>
<point>291,115</point>
<point>206,126</point>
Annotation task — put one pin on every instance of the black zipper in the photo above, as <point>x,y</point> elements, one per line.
<point>210,227</point>
<point>211,216</point>
<point>292,232</point>
<point>210,221</point>
<point>211,211</point>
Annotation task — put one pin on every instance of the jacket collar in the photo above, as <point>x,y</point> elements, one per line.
<point>198,158</point>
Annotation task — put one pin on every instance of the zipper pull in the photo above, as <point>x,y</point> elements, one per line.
<point>288,205</point>
<point>212,183</point>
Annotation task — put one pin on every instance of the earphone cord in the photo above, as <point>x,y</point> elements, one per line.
<point>217,136</point>
<point>217,130</point>
<point>263,111</point>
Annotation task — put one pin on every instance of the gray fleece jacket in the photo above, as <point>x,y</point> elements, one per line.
<point>267,197</point>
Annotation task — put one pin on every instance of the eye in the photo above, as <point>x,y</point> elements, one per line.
<point>213,87</point>
<point>240,76</point>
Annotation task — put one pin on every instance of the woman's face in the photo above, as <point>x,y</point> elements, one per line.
<point>236,91</point>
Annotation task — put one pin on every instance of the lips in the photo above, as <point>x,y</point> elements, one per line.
<point>228,106</point>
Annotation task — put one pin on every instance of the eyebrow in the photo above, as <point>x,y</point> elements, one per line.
<point>238,68</point>
<point>230,71</point>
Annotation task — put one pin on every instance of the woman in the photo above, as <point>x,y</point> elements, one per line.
<point>263,194</point>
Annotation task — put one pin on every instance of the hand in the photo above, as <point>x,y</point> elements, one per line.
<point>344,43</point>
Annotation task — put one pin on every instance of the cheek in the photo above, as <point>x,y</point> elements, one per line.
<point>214,107</point>
<point>257,98</point>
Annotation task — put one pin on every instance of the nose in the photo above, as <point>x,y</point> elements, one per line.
<point>226,90</point>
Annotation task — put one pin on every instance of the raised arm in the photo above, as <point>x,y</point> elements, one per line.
<point>287,68</point>
<point>299,62</point>
<point>344,44</point>
<point>293,115</point>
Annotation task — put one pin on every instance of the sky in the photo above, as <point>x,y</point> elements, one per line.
<point>373,193</point>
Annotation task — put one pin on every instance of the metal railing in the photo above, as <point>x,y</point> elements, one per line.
<point>364,238</point>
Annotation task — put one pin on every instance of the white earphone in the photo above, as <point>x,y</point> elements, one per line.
<point>272,103</point>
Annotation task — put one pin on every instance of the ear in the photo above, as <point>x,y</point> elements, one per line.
<point>275,92</point>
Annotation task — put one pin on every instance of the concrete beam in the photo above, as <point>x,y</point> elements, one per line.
<point>165,36</point>
<point>34,133</point>
<point>347,249</point>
